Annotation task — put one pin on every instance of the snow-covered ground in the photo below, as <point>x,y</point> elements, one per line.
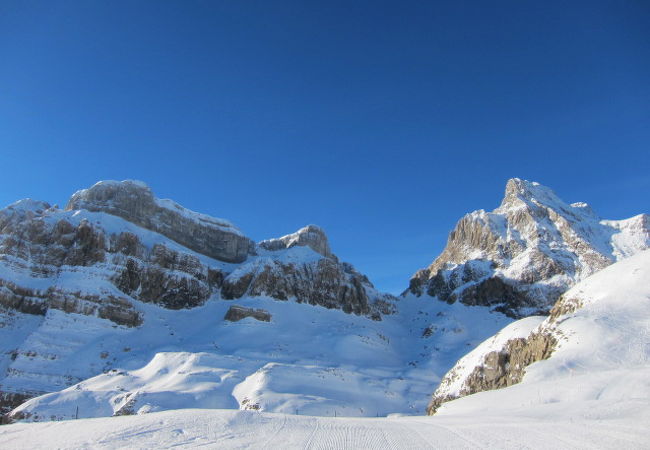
<point>308,360</point>
<point>621,427</point>
<point>593,392</point>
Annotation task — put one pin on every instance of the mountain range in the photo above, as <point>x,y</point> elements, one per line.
<point>123,303</point>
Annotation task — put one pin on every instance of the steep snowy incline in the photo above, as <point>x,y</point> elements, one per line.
<point>519,258</point>
<point>593,350</point>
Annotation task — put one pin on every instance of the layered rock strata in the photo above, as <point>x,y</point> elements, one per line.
<point>115,248</point>
<point>134,201</point>
<point>519,258</point>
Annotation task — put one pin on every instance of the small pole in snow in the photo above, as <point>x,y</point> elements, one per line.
<point>76,414</point>
<point>334,413</point>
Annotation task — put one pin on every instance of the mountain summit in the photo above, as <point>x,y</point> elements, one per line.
<point>520,257</point>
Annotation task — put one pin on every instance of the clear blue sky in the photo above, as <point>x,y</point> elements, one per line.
<point>383,122</point>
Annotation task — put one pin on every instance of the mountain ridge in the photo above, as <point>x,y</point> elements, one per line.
<point>132,273</point>
<point>519,258</point>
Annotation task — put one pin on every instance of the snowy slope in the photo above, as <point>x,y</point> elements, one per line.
<point>307,360</point>
<point>600,352</point>
<point>623,427</point>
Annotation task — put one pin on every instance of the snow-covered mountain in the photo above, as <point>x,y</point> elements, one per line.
<point>80,286</point>
<point>519,258</point>
<point>123,303</point>
<point>581,380</point>
<point>593,351</point>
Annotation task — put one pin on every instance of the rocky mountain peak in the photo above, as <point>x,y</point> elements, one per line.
<point>523,192</point>
<point>311,236</point>
<point>134,201</point>
<point>520,257</point>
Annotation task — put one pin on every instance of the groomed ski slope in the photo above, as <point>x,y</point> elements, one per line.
<point>228,429</point>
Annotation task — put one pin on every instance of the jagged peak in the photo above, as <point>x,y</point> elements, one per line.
<point>530,194</point>
<point>311,236</point>
<point>136,183</point>
<point>519,190</point>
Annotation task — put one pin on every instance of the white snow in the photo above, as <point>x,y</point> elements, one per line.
<point>308,359</point>
<point>602,362</point>
<point>622,427</point>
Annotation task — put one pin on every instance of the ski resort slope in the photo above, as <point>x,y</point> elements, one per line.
<point>227,429</point>
<point>593,392</point>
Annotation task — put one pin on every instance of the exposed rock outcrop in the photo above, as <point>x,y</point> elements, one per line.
<point>323,281</point>
<point>236,313</point>
<point>521,257</point>
<point>310,236</point>
<point>498,368</point>
<point>134,201</point>
<point>10,400</point>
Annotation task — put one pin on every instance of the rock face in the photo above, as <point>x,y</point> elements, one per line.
<point>324,282</point>
<point>116,248</point>
<point>134,201</point>
<point>310,236</point>
<point>236,313</point>
<point>519,258</point>
<point>498,368</point>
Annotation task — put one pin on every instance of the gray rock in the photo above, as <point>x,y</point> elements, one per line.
<point>310,236</point>
<point>11,400</point>
<point>324,282</point>
<point>500,368</point>
<point>134,201</point>
<point>519,258</point>
<point>236,313</point>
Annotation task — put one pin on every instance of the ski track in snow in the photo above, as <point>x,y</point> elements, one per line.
<point>225,429</point>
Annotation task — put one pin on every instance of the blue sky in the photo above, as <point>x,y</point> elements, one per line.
<point>383,122</point>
